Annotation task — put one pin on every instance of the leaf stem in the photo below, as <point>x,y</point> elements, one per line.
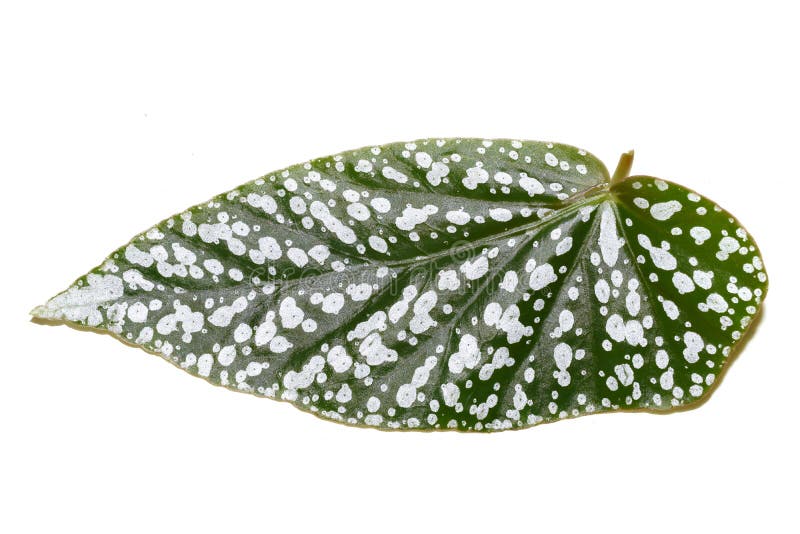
<point>623,167</point>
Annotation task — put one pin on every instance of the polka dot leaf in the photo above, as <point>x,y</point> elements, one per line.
<point>461,284</point>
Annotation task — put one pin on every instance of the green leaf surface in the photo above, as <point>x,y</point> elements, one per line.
<point>439,284</point>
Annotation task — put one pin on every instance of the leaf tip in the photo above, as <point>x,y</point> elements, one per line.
<point>43,311</point>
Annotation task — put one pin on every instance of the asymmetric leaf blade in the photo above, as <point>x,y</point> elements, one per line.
<point>454,283</point>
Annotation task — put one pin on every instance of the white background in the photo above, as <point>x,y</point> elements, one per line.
<point>114,117</point>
